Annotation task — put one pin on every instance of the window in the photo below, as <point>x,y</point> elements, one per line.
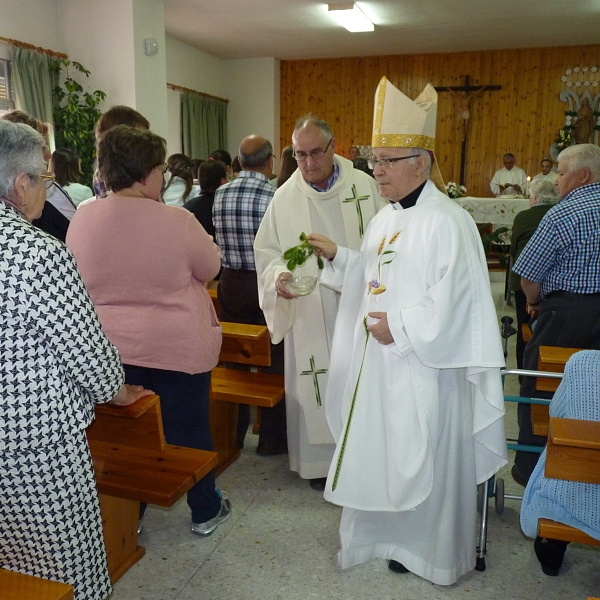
<point>6,94</point>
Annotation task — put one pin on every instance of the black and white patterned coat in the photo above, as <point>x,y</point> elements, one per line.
<point>55,364</point>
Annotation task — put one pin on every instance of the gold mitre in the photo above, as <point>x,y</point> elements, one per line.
<point>399,122</point>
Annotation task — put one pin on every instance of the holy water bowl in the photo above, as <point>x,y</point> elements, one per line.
<point>302,285</point>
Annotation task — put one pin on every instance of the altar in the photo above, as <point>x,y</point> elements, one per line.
<point>500,211</point>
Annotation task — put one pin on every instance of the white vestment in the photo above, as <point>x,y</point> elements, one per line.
<point>342,214</point>
<point>552,176</point>
<point>418,423</point>
<point>515,176</point>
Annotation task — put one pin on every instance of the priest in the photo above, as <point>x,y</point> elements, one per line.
<point>510,180</point>
<point>324,194</point>
<point>414,399</point>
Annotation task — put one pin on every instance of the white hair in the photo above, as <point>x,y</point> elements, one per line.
<point>426,154</point>
<point>21,151</point>
<point>543,191</point>
<point>582,156</point>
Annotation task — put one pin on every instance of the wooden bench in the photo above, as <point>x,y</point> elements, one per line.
<point>246,345</point>
<point>134,464</point>
<point>573,453</point>
<point>16,586</point>
<point>552,359</point>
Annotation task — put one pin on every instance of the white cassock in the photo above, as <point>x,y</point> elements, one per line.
<point>307,322</point>
<point>418,423</point>
<point>551,177</point>
<point>515,176</point>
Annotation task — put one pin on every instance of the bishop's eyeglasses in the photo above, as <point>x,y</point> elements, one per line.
<point>384,163</point>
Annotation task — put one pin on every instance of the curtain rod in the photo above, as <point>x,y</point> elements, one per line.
<point>32,47</point>
<point>184,89</point>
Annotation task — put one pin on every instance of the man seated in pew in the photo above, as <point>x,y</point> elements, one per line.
<point>237,212</point>
<point>145,265</point>
<point>560,276</point>
<point>56,364</point>
<point>573,503</point>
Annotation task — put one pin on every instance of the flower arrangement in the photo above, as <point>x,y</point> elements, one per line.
<point>454,190</point>
<point>563,139</point>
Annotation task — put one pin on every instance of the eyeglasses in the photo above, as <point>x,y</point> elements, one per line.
<point>48,179</point>
<point>315,154</point>
<point>384,163</point>
<point>164,167</point>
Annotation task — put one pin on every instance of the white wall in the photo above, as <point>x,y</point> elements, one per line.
<point>99,35</point>
<point>31,21</point>
<point>253,88</point>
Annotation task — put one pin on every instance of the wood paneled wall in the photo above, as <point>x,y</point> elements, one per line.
<point>523,117</point>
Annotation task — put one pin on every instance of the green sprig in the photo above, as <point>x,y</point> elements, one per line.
<point>297,255</point>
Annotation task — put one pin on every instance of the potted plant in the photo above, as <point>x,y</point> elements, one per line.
<point>75,115</point>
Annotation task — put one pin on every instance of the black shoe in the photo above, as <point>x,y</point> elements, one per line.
<point>550,553</point>
<point>318,484</point>
<point>397,567</point>
<point>271,448</point>
<point>516,475</point>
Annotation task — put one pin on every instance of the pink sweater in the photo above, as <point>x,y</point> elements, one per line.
<point>144,265</point>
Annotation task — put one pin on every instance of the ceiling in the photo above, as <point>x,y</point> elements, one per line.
<point>301,29</point>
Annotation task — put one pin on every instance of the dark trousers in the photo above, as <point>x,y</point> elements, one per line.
<point>567,320</point>
<point>184,410</point>
<point>522,317</point>
<point>238,303</point>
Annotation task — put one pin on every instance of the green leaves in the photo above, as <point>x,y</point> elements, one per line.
<point>297,255</point>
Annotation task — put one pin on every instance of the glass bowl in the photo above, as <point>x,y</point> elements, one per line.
<point>301,285</point>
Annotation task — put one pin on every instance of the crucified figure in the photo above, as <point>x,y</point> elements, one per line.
<point>464,101</point>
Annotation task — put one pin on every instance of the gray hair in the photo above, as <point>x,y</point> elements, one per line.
<point>426,154</point>
<point>257,159</point>
<point>21,151</point>
<point>310,119</point>
<point>543,191</point>
<point>582,156</point>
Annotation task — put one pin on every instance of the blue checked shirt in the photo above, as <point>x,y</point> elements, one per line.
<point>564,251</point>
<point>237,212</point>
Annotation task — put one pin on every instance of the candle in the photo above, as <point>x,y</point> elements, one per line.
<point>527,186</point>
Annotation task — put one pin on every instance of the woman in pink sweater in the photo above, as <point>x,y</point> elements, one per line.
<point>145,265</point>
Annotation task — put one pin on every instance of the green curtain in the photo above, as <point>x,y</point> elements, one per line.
<point>33,81</point>
<point>203,125</point>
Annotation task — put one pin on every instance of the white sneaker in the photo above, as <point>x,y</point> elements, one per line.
<point>205,529</point>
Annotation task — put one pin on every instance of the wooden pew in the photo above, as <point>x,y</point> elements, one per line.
<point>573,453</point>
<point>134,464</point>
<point>553,359</point>
<point>16,586</point>
<point>246,345</point>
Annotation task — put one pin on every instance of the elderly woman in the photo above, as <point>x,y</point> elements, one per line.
<point>145,265</point>
<point>542,197</point>
<point>56,363</point>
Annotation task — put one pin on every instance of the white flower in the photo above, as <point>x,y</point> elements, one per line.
<point>569,84</point>
<point>594,69</point>
<point>595,84</point>
<point>578,84</point>
<point>585,69</point>
<point>568,119</point>
<point>564,77</point>
<point>576,70</point>
<point>586,83</point>
<point>568,71</point>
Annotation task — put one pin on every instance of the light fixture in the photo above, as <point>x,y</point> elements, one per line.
<point>351,17</point>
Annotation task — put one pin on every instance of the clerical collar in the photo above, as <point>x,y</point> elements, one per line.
<point>410,200</point>
<point>332,179</point>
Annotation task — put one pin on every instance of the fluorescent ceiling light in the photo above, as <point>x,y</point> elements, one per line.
<point>351,17</point>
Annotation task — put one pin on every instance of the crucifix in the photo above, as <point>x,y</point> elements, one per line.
<point>465,93</point>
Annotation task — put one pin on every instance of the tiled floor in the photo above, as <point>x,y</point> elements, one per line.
<point>281,542</point>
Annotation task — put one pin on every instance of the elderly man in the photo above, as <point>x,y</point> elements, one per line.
<point>238,209</point>
<point>560,275</point>
<point>509,180</point>
<point>415,399</point>
<point>325,194</point>
<point>547,174</point>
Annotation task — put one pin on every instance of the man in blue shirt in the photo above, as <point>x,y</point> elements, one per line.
<point>237,213</point>
<point>560,275</point>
